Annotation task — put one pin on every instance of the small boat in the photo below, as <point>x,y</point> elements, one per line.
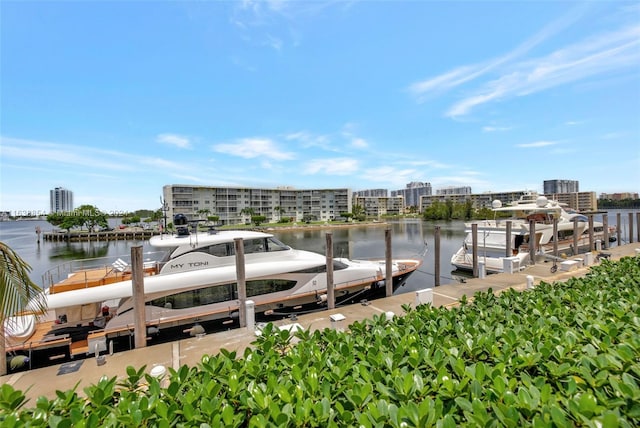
<point>194,282</point>
<point>492,234</point>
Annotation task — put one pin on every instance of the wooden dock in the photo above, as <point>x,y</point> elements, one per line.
<point>112,235</point>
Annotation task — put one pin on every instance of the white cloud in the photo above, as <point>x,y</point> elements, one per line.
<point>495,128</point>
<point>610,52</point>
<point>250,148</point>
<point>334,166</point>
<point>176,140</point>
<point>359,143</point>
<point>537,144</point>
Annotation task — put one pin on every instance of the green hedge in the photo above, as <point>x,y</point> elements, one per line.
<point>564,354</point>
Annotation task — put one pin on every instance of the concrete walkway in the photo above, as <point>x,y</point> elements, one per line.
<point>82,373</point>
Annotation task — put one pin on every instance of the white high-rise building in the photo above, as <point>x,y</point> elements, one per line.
<point>60,200</point>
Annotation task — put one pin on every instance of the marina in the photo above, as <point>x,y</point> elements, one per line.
<point>80,332</point>
<point>82,373</point>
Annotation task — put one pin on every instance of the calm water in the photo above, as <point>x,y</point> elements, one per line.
<point>411,238</point>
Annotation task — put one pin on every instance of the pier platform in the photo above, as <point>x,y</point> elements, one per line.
<point>82,373</point>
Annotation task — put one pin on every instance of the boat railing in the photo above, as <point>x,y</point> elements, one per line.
<point>108,264</point>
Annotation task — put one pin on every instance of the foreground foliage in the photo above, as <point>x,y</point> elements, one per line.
<point>565,354</point>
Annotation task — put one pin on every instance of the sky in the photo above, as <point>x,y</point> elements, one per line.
<point>114,100</point>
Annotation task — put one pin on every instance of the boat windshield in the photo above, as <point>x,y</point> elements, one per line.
<point>258,245</point>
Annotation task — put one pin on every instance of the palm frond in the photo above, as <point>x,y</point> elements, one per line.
<point>17,292</point>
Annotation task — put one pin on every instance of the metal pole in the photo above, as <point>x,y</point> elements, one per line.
<point>436,263</point>
<point>389,267</point>
<point>474,248</point>
<point>331,295</point>
<point>241,282</point>
<point>139,315</point>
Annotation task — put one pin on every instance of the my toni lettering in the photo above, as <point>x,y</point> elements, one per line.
<point>190,264</point>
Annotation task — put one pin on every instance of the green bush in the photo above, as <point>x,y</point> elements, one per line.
<point>564,354</point>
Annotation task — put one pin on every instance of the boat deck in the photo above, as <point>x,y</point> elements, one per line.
<point>94,278</point>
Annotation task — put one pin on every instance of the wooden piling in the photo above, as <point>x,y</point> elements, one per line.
<point>605,230</point>
<point>532,242</point>
<point>241,281</point>
<point>474,248</point>
<point>575,236</point>
<point>388,263</point>
<point>331,296</point>
<point>139,313</point>
<point>618,229</point>
<point>508,252</point>
<point>555,237</point>
<point>436,263</point>
<point>630,228</point>
<point>591,239</point>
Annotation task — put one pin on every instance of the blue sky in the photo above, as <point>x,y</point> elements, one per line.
<point>113,100</point>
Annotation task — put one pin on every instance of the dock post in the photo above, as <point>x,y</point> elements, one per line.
<point>242,283</point>
<point>474,248</point>
<point>388,264</point>
<point>575,237</point>
<point>436,263</point>
<point>532,242</point>
<point>331,295</point>
<point>638,226</point>
<point>482,270</point>
<point>508,252</point>
<point>555,237</point>
<point>605,231</point>
<point>618,229</point>
<point>139,313</point>
<point>630,228</point>
<point>590,232</point>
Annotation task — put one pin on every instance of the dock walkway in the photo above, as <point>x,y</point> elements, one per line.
<point>45,381</point>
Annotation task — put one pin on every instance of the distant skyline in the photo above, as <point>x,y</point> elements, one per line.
<point>114,100</point>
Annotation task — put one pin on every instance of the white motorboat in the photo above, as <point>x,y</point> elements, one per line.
<point>492,234</point>
<point>196,283</point>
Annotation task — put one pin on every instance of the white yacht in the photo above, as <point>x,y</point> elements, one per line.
<point>196,283</point>
<point>492,241</point>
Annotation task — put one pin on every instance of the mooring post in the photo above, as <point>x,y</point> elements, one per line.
<point>605,230</point>
<point>630,228</point>
<point>474,248</point>
<point>436,263</point>
<point>638,226</point>
<point>331,296</point>
<point>555,237</point>
<point>575,236</point>
<point>618,229</point>
<point>532,242</point>
<point>139,315</point>
<point>389,267</point>
<point>591,242</point>
<point>242,283</point>
<point>508,252</point>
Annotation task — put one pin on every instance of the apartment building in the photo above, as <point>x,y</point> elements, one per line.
<point>376,207</point>
<point>234,205</point>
